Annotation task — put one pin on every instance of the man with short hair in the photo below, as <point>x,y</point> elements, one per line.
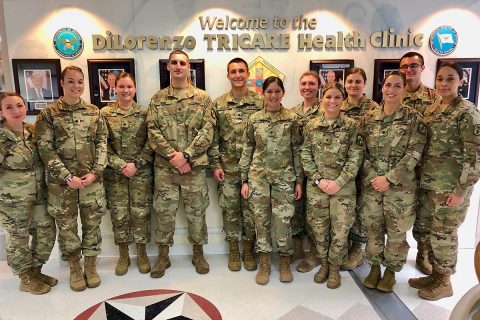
<point>109,94</point>
<point>38,92</point>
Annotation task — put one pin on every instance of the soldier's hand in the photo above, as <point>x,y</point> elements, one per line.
<point>323,184</point>
<point>298,191</point>
<point>185,168</point>
<point>380,183</point>
<point>332,187</point>
<point>75,183</point>
<point>88,179</point>
<point>177,159</point>
<point>219,175</point>
<point>453,200</point>
<point>244,190</point>
<point>129,169</point>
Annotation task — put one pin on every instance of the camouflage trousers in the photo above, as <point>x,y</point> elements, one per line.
<point>330,218</point>
<point>444,224</point>
<point>299,223</point>
<point>130,203</point>
<point>192,186</point>
<point>20,221</point>
<point>391,214</point>
<point>272,205</point>
<point>65,204</point>
<point>236,212</point>
<point>357,231</point>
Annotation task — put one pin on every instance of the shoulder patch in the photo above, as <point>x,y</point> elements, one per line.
<point>360,140</point>
<point>422,128</point>
<point>476,130</point>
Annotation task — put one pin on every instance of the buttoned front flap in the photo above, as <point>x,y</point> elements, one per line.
<point>398,137</point>
<point>194,114</point>
<point>114,126</point>
<point>262,130</point>
<point>86,125</point>
<point>18,157</point>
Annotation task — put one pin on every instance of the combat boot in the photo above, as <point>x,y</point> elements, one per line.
<point>248,257</point>
<point>322,274</point>
<point>30,283</point>
<point>387,282</point>
<point>77,281</point>
<point>422,282</point>
<point>50,281</point>
<point>123,260</point>
<point>371,281</point>
<point>233,256</point>
<point>163,262</point>
<point>198,260</point>
<point>90,272</point>
<point>441,287</point>
<point>423,260</point>
<point>311,259</point>
<point>355,256</point>
<point>333,276</point>
<point>285,272</point>
<point>298,252</point>
<point>263,273</point>
<point>142,259</point>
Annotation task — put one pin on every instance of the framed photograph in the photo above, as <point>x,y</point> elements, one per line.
<point>331,70</point>
<point>197,73</point>
<point>102,74</point>
<point>469,88</point>
<point>381,68</point>
<point>3,86</point>
<point>38,81</point>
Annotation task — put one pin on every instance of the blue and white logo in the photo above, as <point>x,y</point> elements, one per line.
<point>67,43</point>
<point>443,40</point>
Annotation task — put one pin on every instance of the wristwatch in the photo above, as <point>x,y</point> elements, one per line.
<point>244,181</point>
<point>68,178</point>
<point>317,182</point>
<point>186,156</point>
<point>138,164</point>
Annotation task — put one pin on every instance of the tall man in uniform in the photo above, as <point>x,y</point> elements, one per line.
<point>419,97</point>
<point>180,129</point>
<point>231,111</point>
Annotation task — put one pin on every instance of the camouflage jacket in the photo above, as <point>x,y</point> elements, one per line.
<point>303,117</point>
<point>127,135</point>
<point>357,111</point>
<point>231,118</point>
<point>72,139</point>
<point>21,170</point>
<point>183,124</point>
<point>333,151</point>
<point>421,98</point>
<point>451,160</point>
<point>271,147</point>
<point>394,144</point>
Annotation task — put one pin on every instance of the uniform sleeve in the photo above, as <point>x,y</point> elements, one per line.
<point>114,161</point>
<point>204,137</point>
<point>214,149</point>
<point>306,154</point>
<point>100,161</point>
<point>248,149</point>
<point>469,128</point>
<point>156,139</point>
<point>367,170</point>
<point>354,157</point>
<point>146,156</point>
<point>296,145</point>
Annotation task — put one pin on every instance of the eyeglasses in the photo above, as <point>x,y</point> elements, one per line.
<point>411,66</point>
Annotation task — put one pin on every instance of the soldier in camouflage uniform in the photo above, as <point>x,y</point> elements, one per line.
<point>419,97</point>
<point>449,169</point>
<point>23,210</point>
<point>180,129</point>
<point>355,106</point>
<point>308,109</point>
<point>331,155</point>
<point>231,111</point>
<point>72,142</point>
<point>129,175</point>
<point>395,138</point>
<point>272,177</point>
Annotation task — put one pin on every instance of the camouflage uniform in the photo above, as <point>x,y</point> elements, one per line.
<point>451,165</point>
<point>225,153</point>
<point>271,164</point>
<point>72,139</point>
<point>421,99</point>
<point>356,112</point>
<point>332,150</point>
<point>22,201</point>
<point>128,198</point>
<point>394,147</point>
<point>181,122</point>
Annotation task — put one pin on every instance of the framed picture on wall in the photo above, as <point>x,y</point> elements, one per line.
<point>469,88</point>
<point>102,74</point>
<point>38,81</point>
<point>331,70</point>
<point>381,68</point>
<point>197,73</point>
<point>3,86</point>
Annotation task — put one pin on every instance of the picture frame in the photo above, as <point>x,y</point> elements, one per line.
<point>101,74</point>
<point>380,70</point>
<point>197,73</point>
<point>3,86</point>
<point>37,81</point>
<point>331,70</point>
<point>469,88</point>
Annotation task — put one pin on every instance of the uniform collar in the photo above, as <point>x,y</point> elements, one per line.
<point>249,99</point>
<point>71,107</point>
<point>189,92</point>
<point>348,106</point>
<point>398,114</point>
<point>323,122</point>
<point>116,108</point>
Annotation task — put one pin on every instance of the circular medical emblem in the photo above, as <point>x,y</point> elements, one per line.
<point>67,43</point>
<point>443,40</point>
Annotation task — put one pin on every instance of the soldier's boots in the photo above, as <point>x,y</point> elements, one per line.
<point>311,260</point>
<point>77,281</point>
<point>334,277</point>
<point>198,260</point>
<point>423,260</point>
<point>285,272</point>
<point>441,287</point>
<point>234,263</point>
<point>50,281</point>
<point>142,259</point>
<point>123,260</point>
<point>163,262</point>
<point>298,252</point>
<point>387,282</point>
<point>91,275</point>
<point>322,274</point>
<point>355,256</point>
<point>263,273</point>
<point>248,257</point>
<point>422,282</point>
<point>371,281</point>
<point>31,283</point>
